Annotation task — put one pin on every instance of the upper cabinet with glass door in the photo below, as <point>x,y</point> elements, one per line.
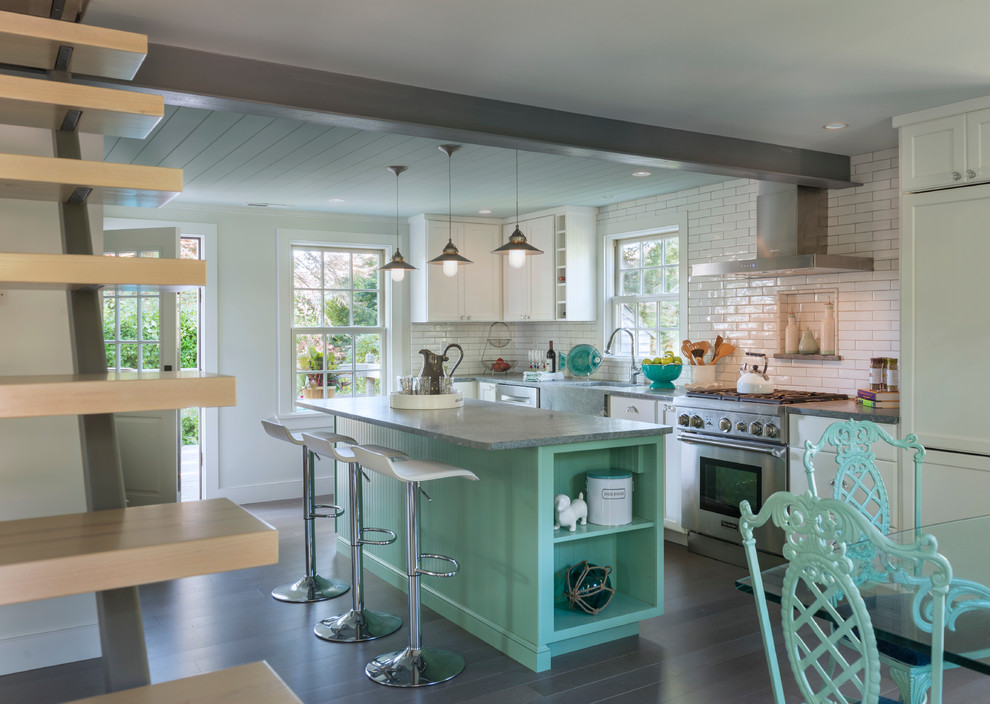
<point>338,330</point>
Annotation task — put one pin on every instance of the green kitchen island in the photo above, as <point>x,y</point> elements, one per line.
<point>510,589</point>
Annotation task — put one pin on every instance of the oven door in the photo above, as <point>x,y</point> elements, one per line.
<point>718,474</point>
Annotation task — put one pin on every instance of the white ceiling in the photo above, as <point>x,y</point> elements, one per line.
<point>765,70</point>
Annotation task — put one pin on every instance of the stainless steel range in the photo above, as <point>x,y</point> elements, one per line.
<point>733,448</point>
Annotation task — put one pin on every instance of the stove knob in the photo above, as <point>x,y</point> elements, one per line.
<point>756,428</point>
<point>725,425</point>
<point>770,431</point>
<point>683,419</point>
<point>741,427</point>
<point>697,422</point>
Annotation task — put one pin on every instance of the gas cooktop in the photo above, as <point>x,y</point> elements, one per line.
<point>778,397</point>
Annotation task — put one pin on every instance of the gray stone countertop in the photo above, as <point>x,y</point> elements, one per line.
<point>487,426</point>
<point>846,409</point>
<point>825,409</point>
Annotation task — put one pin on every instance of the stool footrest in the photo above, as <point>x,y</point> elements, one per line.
<point>337,511</point>
<point>385,531</point>
<point>430,573</point>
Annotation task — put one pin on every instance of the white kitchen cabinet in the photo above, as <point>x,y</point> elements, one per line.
<point>475,293</point>
<point>954,485</point>
<point>948,151</point>
<point>487,391</point>
<point>662,412</point>
<point>468,388</point>
<point>561,283</point>
<point>802,428</point>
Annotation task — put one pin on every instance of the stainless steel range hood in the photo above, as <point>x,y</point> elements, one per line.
<point>791,237</point>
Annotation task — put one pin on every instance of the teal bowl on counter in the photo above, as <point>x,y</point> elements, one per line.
<point>662,374</point>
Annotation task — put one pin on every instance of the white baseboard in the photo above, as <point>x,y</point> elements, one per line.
<point>29,652</point>
<point>273,492</point>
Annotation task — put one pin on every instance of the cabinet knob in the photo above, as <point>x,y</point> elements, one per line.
<point>970,173</point>
<point>956,175</point>
<point>632,409</point>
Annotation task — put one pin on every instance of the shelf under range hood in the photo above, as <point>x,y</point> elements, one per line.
<point>791,237</point>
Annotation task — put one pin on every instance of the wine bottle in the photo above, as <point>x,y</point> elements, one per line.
<point>551,358</point>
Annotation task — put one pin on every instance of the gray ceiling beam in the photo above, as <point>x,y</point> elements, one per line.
<point>217,82</point>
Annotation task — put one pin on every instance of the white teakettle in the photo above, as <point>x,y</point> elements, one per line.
<point>751,379</point>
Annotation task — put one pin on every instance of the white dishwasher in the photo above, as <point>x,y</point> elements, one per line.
<point>518,395</point>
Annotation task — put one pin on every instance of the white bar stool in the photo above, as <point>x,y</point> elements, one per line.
<point>415,666</point>
<point>312,587</point>
<point>358,624</point>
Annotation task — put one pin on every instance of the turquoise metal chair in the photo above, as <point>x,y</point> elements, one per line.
<point>859,483</point>
<point>828,634</point>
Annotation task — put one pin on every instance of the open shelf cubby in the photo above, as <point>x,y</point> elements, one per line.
<point>808,305</point>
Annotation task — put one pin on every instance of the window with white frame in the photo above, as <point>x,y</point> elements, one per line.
<point>647,292</point>
<point>338,330</point>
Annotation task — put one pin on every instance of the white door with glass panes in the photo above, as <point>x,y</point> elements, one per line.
<point>140,331</point>
<point>338,331</point>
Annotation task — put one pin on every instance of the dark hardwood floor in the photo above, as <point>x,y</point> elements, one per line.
<point>706,648</point>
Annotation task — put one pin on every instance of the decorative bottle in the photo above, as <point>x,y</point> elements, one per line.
<point>551,359</point>
<point>791,335</point>
<point>808,344</point>
<point>828,330</point>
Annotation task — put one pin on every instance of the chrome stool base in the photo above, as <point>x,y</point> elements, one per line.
<point>309,589</point>
<point>356,626</point>
<point>415,668</point>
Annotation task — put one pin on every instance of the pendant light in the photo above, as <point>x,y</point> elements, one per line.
<point>398,266</point>
<point>450,257</point>
<point>517,248</point>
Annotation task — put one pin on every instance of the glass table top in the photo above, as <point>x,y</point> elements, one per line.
<point>966,545</point>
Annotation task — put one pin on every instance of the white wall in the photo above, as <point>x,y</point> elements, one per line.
<point>40,458</point>
<point>747,312</point>
<point>253,467</point>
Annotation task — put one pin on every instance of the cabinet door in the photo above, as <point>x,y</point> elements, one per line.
<point>944,285</point>
<point>977,146</point>
<point>482,280</point>
<point>468,388</point>
<point>487,391</point>
<point>529,293</point>
<point>671,469</point>
<point>442,292</point>
<point>933,153</point>
<point>954,486</point>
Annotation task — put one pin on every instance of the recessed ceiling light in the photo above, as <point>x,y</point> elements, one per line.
<point>484,211</point>
<point>640,174</point>
<point>336,200</point>
<point>836,125</point>
<point>608,196</point>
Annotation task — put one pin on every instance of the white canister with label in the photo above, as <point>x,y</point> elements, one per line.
<point>609,497</point>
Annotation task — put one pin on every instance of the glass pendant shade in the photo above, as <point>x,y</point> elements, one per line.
<point>398,266</point>
<point>450,257</point>
<point>517,248</point>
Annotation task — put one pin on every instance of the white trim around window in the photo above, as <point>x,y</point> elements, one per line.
<point>394,315</point>
<point>643,228</point>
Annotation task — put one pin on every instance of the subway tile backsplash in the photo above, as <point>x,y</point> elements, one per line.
<point>749,313</point>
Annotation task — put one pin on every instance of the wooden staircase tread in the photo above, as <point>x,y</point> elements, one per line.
<point>26,40</point>
<point>255,683</point>
<point>113,392</point>
<point>53,179</point>
<point>62,271</point>
<point>33,102</point>
<point>52,556</point>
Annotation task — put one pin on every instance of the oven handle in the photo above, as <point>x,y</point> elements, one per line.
<point>778,452</point>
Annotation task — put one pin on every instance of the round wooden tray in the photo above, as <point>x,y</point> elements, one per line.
<point>429,402</point>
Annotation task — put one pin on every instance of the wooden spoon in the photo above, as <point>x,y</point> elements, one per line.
<point>718,343</point>
<point>686,351</point>
<point>724,350</point>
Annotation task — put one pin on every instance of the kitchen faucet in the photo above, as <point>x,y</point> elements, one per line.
<point>633,371</point>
